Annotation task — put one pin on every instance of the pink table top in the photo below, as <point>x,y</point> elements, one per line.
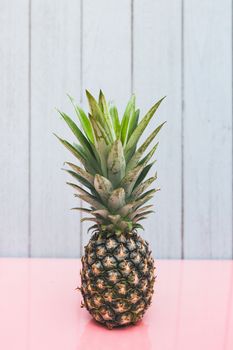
<point>40,309</point>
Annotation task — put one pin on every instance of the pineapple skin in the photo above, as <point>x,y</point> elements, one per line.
<point>117,279</point>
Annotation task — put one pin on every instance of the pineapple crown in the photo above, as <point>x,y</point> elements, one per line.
<point>113,169</point>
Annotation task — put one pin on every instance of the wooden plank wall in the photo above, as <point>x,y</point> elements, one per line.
<point>55,71</point>
<point>180,48</point>
<point>207,123</point>
<point>14,128</point>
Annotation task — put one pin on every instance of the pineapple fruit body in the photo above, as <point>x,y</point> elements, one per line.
<point>117,279</point>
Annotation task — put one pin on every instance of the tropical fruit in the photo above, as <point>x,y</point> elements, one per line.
<point>117,276</point>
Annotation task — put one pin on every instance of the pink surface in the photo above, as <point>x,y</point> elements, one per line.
<point>40,309</point>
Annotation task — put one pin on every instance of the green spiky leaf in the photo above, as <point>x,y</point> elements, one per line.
<point>130,179</point>
<point>91,200</point>
<point>85,210</point>
<point>106,114</point>
<point>81,179</point>
<point>133,123</point>
<point>116,163</point>
<point>138,154</point>
<point>138,226</point>
<point>103,187</point>
<point>126,209</point>
<point>91,219</point>
<point>143,186</point>
<point>93,228</point>
<point>139,130</point>
<point>78,189</point>
<point>81,172</point>
<point>115,121</point>
<point>79,135</point>
<point>148,157</point>
<point>77,154</point>
<point>140,218</point>
<point>98,115</point>
<point>101,212</point>
<point>140,210</point>
<point>143,174</point>
<point>126,120</point>
<point>86,125</point>
<point>114,218</point>
<point>117,199</point>
<point>101,144</point>
<point>142,201</point>
<point>148,193</point>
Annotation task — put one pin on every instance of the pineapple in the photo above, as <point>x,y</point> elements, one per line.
<point>117,276</point>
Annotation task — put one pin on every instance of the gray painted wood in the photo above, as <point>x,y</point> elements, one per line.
<point>207,129</point>
<point>157,72</point>
<point>107,53</point>
<point>14,128</point>
<point>55,70</point>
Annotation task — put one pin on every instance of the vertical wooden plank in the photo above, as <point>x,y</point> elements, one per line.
<point>14,128</point>
<point>106,48</point>
<point>207,129</point>
<point>106,52</point>
<point>55,70</point>
<point>157,72</point>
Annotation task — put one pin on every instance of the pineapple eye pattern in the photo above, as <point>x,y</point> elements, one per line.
<point>100,251</point>
<point>119,286</point>
<point>113,276</point>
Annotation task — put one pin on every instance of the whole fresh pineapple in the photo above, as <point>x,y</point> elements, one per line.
<point>117,268</point>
